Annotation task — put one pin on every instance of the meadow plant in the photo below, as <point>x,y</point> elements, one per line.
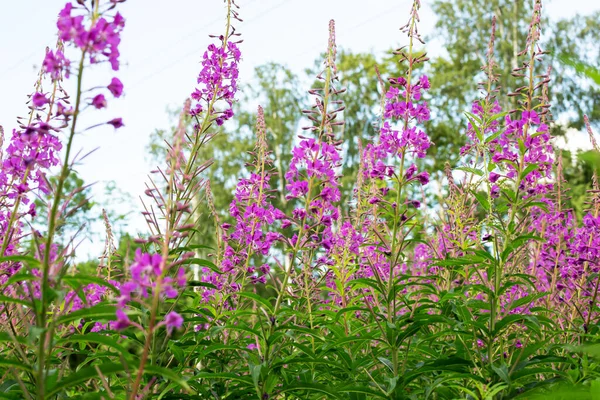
<point>489,292</point>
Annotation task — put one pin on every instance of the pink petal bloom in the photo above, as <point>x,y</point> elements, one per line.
<point>39,99</point>
<point>495,192</point>
<point>173,320</point>
<point>116,123</point>
<point>168,290</point>
<point>530,117</point>
<point>181,277</point>
<point>119,21</point>
<point>122,321</point>
<point>423,177</point>
<point>494,177</point>
<point>424,81</point>
<point>99,101</point>
<point>55,64</point>
<point>115,87</point>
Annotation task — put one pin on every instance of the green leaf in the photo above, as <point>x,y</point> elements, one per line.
<point>79,280</point>
<point>530,168</point>
<point>225,376</point>
<point>312,387</point>
<point>14,364</point>
<point>592,158</point>
<point>93,337</point>
<point>203,263</point>
<point>582,68</point>
<point>527,299</point>
<point>31,261</point>
<point>99,311</point>
<point>362,390</point>
<point>265,303</point>
<point>475,122</point>
<point>482,198</point>
<point>493,136</point>
<point>20,277</point>
<point>475,171</point>
<point>502,372</point>
<point>6,299</point>
<point>84,375</point>
<point>168,374</point>
<point>458,261</point>
<point>517,243</point>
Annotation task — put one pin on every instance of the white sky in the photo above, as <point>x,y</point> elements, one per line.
<point>163,42</point>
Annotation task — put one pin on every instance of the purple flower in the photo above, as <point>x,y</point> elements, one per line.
<point>56,64</point>
<point>100,40</point>
<point>494,177</point>
<point>251,235</point>
<point>495,191</point>
<point>530,118</point>
<point>115,87</point>
<point>39,99</point>
<point>218,80</point>
<point>181,280</point>
<point>173,321</point>
<point>116,123</point>
<point>406,138</point>
<point>423,177</point>
<point>99,101</point>
<point>122,321</point>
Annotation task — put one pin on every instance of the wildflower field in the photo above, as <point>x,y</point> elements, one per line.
<point>343,265</point>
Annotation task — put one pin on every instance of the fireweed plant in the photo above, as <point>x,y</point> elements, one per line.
<point>488,293</point>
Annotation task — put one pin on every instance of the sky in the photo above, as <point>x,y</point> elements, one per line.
<point>161,47</point>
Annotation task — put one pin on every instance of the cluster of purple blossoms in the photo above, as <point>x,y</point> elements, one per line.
<point>218,80</point>
<point>552,265</point>
<point>400,105</point>
<point>93,295</point>
<point>568,256</point>
<point>250,235</point>
<point>478,110</point>
<point>345,251</point>
<point>31,152</point>
<point>147,276</point>
<point>536,151</point>
<point>311,176</point>
<point>100,41</point>
<point>253,214</point>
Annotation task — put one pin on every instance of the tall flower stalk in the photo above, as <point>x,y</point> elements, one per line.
<point>211,103</point>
